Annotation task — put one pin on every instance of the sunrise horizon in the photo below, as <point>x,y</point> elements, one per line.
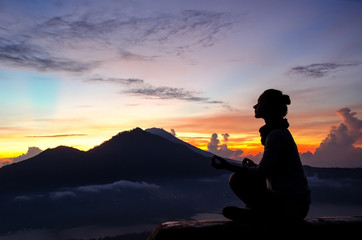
<point>230,145</point>
<point>76,73</point>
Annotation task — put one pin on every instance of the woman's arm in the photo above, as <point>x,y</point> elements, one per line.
<point>221,163</point>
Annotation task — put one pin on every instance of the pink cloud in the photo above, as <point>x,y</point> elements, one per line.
<point>338,149</point>
<point>222,150</point>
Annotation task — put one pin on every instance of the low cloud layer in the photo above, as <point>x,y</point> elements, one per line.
<point>122,184</point>
<point>74,192</point>
<point>338,148</point>
<point>334,183</point>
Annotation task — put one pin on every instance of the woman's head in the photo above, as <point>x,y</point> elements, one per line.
<point>271,104</point>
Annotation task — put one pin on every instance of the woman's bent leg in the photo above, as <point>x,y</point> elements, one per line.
<point>249,188</point>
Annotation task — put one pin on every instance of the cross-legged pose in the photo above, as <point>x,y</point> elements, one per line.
<point>277,187</point>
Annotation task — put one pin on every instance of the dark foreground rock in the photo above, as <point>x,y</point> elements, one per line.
<point>346,227</point>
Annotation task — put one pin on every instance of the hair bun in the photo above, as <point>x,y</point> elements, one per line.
<point>285,99</point>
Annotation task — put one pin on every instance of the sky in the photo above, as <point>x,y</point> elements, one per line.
<point>76,73</point>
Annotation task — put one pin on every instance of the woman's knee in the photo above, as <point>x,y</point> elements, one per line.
<point>238,181</point>
<point>234,180</point>
<point>247,182</point>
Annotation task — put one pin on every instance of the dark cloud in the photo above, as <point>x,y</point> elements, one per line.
<point>337,149</point>
<point>41,44</point>
<point>195,27</point>
<point>318,70</point>
<point>173,132</point>
<point>126,55</point>
<point>59,135</point>
<point>123,81</point>
<point>61,42</point>
<point>164,92</point>
<point>139,87</point>
<point>32,56</point>
<point>201,26</point>
<point>222,150</point>
<point>226,136</point>
<point>215,102</point>
<point>83,26</point>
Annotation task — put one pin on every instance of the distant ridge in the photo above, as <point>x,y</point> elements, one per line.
<point>136,155</point>
<point>163,133</point>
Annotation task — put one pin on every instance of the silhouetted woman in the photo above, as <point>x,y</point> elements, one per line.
<point>277,187</point>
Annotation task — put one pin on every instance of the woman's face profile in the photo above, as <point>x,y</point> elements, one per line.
<point>260,108</point>
<point>263,108</point>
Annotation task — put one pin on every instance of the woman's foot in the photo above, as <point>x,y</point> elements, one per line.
<point>237,214</point>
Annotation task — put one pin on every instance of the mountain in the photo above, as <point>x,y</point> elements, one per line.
<point>135,155</point>
<point>162,133</point>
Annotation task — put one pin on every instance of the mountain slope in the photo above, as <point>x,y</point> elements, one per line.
<point>162,133</point>
<point>51,167</point>
<point>133,155</point>
<point>151,156</point>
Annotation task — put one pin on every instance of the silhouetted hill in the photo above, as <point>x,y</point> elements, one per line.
<point>138,154</point>
<point>133,155</point>
<point>52,167</point>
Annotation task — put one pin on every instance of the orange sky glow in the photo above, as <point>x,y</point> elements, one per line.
<point>77,74</point>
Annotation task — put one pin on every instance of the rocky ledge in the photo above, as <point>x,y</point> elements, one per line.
<point>346,227</point>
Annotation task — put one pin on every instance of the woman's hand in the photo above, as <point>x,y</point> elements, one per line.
<point>248,163</point>
<point>218,162</point>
